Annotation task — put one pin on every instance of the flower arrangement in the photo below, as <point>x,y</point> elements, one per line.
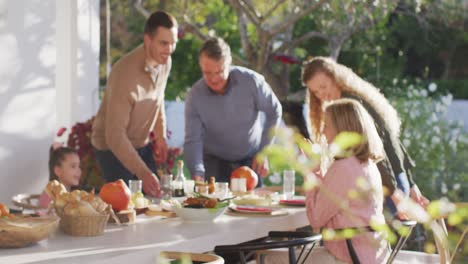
<point>80,139</point>
<point>173,154</point>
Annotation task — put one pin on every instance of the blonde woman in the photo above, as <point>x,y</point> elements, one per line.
<point>327,80</point>
<point>330,206</point>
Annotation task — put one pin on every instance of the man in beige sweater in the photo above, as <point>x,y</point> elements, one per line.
<point>133,107</point>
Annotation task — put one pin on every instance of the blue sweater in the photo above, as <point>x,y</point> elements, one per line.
<point>228,126</point>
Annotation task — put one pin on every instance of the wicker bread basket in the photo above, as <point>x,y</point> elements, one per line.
<point>76,225</point>
<point>23,231</point>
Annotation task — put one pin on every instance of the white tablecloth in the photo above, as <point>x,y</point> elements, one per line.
<point>141,242</point>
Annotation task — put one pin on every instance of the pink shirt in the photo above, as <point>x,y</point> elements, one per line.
<point>327,209</point>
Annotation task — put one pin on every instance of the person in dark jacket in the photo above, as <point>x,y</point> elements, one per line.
<point>328,80</point>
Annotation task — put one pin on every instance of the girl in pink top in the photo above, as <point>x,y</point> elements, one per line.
<point>350,194</point>
<point>64,166</point>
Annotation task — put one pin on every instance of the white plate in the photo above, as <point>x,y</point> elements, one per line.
<point>251,209</point>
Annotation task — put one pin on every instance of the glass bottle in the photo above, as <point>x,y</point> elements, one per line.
<point>178,183</point>
<point>212,185</point>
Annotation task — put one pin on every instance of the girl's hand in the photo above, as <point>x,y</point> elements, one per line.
<point>417,196</point>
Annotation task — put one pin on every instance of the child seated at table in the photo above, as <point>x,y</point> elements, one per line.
<point>330,205</point>
<point>64,166</point>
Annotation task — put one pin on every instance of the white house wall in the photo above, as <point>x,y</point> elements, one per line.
<point>34,103</point>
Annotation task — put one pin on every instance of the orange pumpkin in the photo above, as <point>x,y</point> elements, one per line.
<point>117,194</point>
<point>247,173</point>
<point>5,211</point>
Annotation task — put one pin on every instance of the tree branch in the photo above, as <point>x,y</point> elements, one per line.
<point>239,61</point>
<point>194,29</point>
<point>244,37</point>
<point>269,12</point>
<point>139,7</point>
<point>240,8</point>
<point>295,17</point>
<point>296,42</point>
<point>251,9</point>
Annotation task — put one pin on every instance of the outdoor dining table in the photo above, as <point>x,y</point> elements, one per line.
<point>142,241</point>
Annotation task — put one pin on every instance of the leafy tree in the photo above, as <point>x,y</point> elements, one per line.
<point>380,40</point>
<point>266,31</point>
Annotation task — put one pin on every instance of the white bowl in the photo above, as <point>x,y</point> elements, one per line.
<point>199,214</point>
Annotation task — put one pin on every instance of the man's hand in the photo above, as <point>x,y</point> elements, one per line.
<point>160,151</point>
<point>151,185</point>
<point>198,178</point>
<point>261,168</point>
<point>417,196</point>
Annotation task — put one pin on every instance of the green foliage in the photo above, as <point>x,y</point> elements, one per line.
<point>438,146</point>
<point>185,71</point>
<point>421,39</point>
<point>290,152</point>
<point>429,45</point>
<point>459,88</point>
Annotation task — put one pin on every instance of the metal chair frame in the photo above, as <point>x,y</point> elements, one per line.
<point>274,240</point>
<point>410,224</point>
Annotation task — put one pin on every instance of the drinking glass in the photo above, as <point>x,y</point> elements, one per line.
<point>189,185</point>
<point>222,190</point>
<point>166,186</point>
<point>202,189</point>
<point>288,184</point>
<point>135,186</point>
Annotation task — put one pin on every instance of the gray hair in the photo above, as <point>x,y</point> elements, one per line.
<point>216,49</point>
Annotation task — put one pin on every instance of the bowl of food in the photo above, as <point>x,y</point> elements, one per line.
<point>200,209</point>
<point>19,231</point>
<point>254,200</point>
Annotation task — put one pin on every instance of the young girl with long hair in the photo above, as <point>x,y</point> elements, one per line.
<point>329,205</point>
<point>64,166</point>
<point>328,80</point>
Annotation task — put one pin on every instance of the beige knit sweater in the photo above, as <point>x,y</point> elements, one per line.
<point>132,107</point>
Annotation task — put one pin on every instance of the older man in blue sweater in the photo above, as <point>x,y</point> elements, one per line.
<point>223,128</point>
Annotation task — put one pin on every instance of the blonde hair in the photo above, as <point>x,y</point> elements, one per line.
<point>349,82</point>
<point>349,115</point>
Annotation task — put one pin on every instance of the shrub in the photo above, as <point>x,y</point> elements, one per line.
<point>438,146</point>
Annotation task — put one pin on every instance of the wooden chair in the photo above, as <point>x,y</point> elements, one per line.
<point>194,257</point>
<point>305,241</point>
